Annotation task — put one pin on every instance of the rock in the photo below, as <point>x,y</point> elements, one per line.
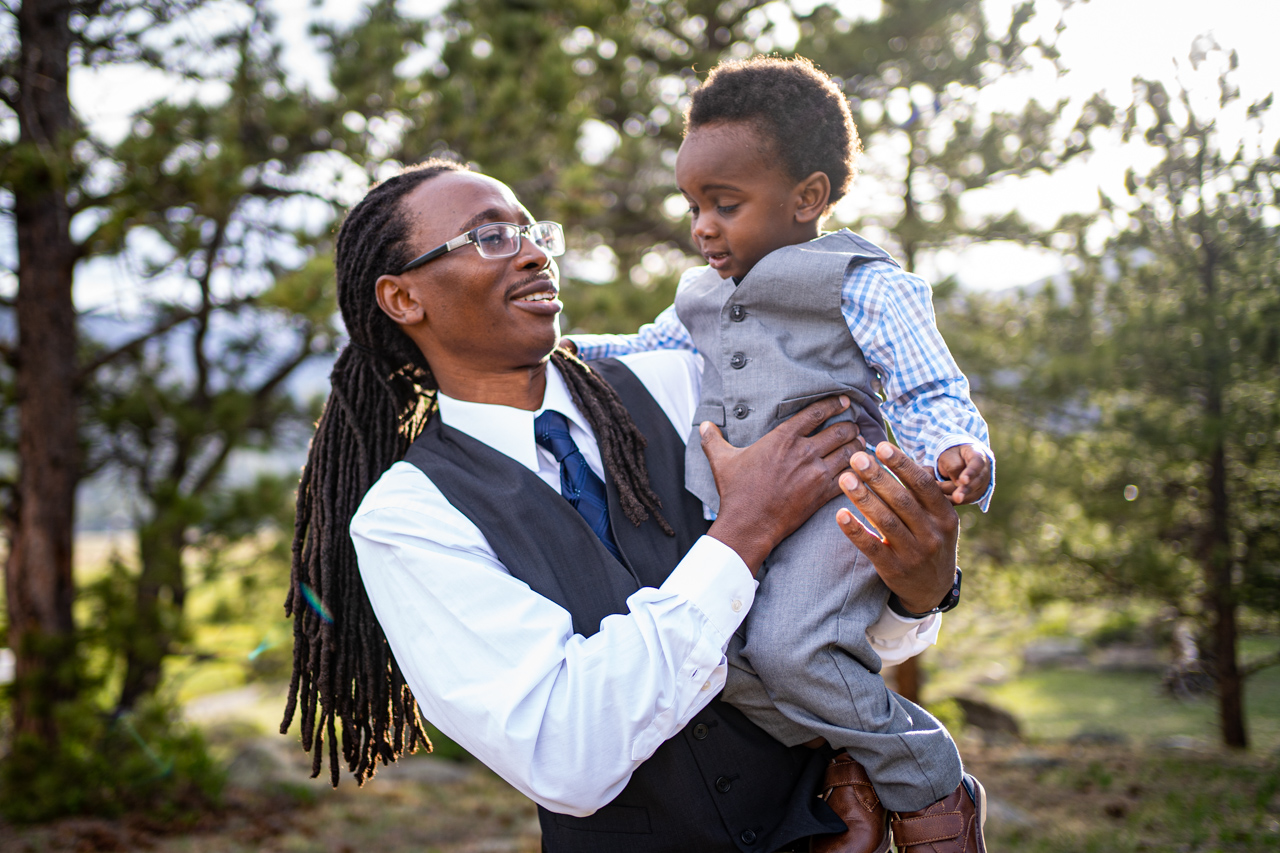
<point>1129,659</point>
<point>994,723</point>
<point>1004,815</point>
<point>1034,760</point>
<point>1098,738</point>
<point>1055,651</point>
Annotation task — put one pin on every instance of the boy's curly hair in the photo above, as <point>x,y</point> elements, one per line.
<point>794,105</point>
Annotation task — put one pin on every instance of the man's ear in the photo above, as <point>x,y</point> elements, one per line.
<point>397,302</point>
<point>812,195</point>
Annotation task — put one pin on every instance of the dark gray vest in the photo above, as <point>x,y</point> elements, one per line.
<point>721,785</point>
<point>774,343</point>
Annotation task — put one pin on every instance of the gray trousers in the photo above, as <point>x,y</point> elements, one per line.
<point>801,667</point>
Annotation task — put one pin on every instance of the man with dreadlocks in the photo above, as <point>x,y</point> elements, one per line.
<point>494,532</point>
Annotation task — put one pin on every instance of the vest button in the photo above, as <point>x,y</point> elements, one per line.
<point>738,361</point>
<point>737,313</point>
<point>740,411</point>
<point>723,785</point>
<point>748,837</point>
<point>700,731</point>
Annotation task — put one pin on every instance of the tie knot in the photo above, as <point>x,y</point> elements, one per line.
<point>551,430</point>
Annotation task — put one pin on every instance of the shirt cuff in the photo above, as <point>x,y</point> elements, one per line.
<point>715,580</point>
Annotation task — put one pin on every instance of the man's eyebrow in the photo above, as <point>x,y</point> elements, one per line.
<point>491,214</point>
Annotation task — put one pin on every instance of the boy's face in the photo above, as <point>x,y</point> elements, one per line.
<point>743,206</point>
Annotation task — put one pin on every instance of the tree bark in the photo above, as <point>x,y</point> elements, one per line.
<point>1222,603</point>
<point>38,571</point>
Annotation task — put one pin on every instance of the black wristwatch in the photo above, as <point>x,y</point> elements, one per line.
<point>948,603</point>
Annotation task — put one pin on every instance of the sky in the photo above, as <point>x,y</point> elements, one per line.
<point>1106,43</point>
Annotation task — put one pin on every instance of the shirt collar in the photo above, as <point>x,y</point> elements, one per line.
<point>509,430</point>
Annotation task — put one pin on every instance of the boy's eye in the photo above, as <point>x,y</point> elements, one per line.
<point>727,208</point>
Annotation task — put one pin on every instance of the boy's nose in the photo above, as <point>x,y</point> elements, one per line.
<point>704,226</point>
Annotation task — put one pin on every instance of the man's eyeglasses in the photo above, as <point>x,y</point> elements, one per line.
<point>498,240</point>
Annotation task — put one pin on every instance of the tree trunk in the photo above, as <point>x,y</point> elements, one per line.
<point>1222,604</point>
<point>158,606</point>
<point>38,571</point>
<point>907,677</point>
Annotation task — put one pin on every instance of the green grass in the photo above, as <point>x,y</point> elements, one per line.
<point>1059,704</point>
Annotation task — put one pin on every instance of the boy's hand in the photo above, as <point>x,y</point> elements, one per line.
<point>967,473</point>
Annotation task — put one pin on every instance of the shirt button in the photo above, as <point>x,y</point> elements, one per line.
<point>706,685</point>
<point>748,837</point>
<point>738,360</point>
<point>740,411</point>
<point>700,731</point>
<point>737,313</point>
<point>723,785</point>
<point>735,606</point>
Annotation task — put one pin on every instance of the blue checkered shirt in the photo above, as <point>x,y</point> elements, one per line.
<point>889,313</point>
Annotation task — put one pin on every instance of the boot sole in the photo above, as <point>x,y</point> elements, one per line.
<point>979,796</point>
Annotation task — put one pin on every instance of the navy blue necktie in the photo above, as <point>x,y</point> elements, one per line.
<point>578,483</point>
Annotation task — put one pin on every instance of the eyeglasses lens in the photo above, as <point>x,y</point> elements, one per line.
<point>502,240</point>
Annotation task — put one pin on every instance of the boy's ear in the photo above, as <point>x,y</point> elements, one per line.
<point>397,301</point>
<point>812,197</point>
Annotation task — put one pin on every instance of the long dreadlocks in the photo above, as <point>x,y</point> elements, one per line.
<point>383,394</point>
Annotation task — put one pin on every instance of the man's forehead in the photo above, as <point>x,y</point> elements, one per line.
<point>464,200</point>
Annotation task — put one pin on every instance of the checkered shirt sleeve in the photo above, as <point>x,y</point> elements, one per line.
<point>889,312</point>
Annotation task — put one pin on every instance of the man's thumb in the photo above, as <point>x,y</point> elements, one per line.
<point>713,443</point>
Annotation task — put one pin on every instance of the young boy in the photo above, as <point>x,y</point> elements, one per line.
<point>783,316</point>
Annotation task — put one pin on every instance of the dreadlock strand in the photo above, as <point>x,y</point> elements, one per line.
<point>383,391</point>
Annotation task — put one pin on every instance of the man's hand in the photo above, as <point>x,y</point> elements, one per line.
<point>770,488</point>
<point>916,557</point>
<point>967,471</point>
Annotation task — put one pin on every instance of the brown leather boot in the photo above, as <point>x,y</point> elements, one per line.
<point>848,791</point>
<point>951,825</point>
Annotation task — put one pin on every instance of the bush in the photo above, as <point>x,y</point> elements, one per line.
<point>146,760</point>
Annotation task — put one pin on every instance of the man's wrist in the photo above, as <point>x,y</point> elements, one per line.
<point>949,601</point>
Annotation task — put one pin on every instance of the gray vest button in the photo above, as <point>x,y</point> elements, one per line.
<point>740,411</point>
<point>700,731</point>
<point>737,313</point>
<point>723,785</point>
<point>738,361</point>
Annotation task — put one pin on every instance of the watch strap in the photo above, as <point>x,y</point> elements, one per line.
<point>948,602</point>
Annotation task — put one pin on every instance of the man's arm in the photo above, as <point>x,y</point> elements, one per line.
<point>498,668</point>
<point>889,313</point>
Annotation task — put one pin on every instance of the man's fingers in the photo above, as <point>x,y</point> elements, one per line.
<point>866,539</point>
<point>807,420</point>
<point>874,492</point>
<point>713,443</point>
<point>836,437</point>
<point>919,481</point>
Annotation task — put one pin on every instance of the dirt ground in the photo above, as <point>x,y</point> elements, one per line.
<point>1063,797</point>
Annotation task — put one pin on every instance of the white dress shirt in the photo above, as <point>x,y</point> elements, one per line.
<point>566,719</point>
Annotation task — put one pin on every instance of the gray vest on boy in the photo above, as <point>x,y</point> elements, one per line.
<point>721,785</point>
<point>775,342</point>
<point>802,665</point>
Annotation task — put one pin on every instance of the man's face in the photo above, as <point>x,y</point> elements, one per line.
<point>492,313</point>
<point>741,202</point>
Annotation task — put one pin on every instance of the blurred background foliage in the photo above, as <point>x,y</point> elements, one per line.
<point>1133,401</point>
